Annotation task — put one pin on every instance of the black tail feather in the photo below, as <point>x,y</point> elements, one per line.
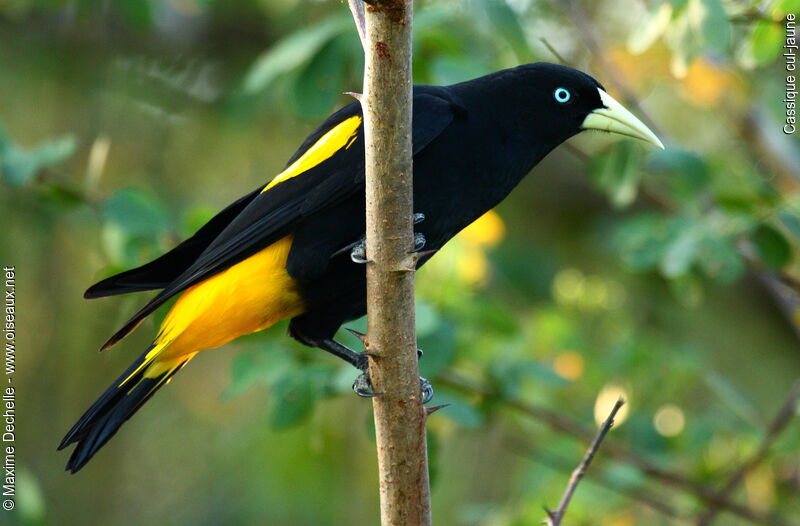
<point>114,407</point>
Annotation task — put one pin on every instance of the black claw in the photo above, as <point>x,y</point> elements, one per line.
<point>420,353</point>
<point>419,217</point>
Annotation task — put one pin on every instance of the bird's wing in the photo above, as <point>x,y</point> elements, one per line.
<point>328,169</point>
<point>160,272</point>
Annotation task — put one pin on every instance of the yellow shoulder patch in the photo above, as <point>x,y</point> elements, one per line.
<point>340,136</point>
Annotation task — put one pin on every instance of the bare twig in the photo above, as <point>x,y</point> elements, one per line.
<point>776,427</point>
<point>656,503</point>
<point>564,425</point>
<point>555,52</point>
<point>554,517</point>
<point>391,337</point>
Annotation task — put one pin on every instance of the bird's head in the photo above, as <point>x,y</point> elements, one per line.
<point>571,101</point>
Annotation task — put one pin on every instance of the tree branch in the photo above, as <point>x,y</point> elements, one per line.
<point>391,337</point>
<point>554,517</point>
<point>656,503</point>
<point>567,426</point>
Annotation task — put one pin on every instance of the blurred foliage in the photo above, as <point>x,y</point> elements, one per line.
<point>613,269</point>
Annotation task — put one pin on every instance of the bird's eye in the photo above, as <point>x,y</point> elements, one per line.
<point>562,95</point>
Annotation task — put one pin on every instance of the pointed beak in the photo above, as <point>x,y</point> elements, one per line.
<point>614,118</point>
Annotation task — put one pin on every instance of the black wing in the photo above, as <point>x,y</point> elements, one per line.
<point>281,209</point>
<point>164,270</point>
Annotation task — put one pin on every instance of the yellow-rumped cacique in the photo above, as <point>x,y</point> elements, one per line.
<point>292,248</point>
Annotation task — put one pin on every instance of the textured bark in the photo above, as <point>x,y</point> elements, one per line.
<point>391,341</point>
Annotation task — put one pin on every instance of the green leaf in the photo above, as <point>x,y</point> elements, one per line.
<point>720,260</point>
<point>773,248</point>
<point>618,173</point>
<point>680,40</point>
<point>441,344</point>
<point>681,252</point>
<point>714,28</point>
<point>30,498</point>
<point>138,12</point>
<point>688,289</point>
<point>508,26</point>
<point>294,398</point>
<point>318,86</point>
<point>18,165</point>
<point>510,375</point>
<point>641,241</point>
<point>427,319</point>
<point>136,212</point>
<point>685,172</point>
<point>783,7</point>
<point>766,42</point>
<point>460,412</point>
<point>291,53</point>
<point>651,28</point>
<point>791,220</point>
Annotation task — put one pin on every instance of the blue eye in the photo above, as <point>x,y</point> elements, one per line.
<point>562,95</point>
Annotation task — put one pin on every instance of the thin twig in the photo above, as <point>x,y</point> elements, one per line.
<point>564,425</point>
<point>779,423</point>
<point>555,52</point>
<point>554,517</point>
<point>600,479</point>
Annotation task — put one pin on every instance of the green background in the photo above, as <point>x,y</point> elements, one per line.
<point>613,268</point>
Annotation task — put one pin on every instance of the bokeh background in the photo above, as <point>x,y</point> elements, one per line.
<point>668,277</point>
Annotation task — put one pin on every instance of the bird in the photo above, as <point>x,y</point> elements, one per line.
<point>293,248</point>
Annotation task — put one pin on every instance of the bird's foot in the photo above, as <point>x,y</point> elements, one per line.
<point>427,390</point>
<point>359,252</point>
<point>363,387</point>
<point>419,242</point>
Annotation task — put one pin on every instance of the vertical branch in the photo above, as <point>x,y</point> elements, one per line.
<point>391,336</point>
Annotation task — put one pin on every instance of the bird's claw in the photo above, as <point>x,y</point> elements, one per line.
<point>419,242</point>
<point>363,387</point>
<point>359,252</point>
<point>427,390</point>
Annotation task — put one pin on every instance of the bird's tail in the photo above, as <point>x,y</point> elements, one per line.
<point>119,402</point>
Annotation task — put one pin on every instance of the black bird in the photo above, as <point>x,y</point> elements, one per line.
<point>290,248</point>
